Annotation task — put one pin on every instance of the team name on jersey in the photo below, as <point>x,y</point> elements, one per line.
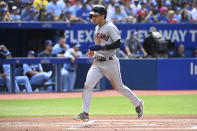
<point>102,36</point>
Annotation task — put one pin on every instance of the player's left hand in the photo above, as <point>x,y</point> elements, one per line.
<point>95,47</point>
<point>90,53</point>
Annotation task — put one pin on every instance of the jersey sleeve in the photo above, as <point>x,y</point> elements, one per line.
<point>40,67</point>
<point>114,33</point>
<point>80,53</point>
<point>26,68</point>
<point>6,69</point>
<point>56,49</point>
<point>127,41</point>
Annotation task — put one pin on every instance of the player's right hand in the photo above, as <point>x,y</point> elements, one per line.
<point>90,53</point>
<point>97,39</point>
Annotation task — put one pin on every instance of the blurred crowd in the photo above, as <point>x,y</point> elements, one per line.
<point>133,11</point>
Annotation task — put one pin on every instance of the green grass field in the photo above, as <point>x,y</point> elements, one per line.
<point>165,104</point>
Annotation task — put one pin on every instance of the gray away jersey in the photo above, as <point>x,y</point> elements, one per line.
<point>108,33</point>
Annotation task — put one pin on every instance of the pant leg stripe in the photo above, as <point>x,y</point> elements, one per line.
<point>120,78</point>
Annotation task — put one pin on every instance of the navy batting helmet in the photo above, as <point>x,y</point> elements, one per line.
<point>98,9</point>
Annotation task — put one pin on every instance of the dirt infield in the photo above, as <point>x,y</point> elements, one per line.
<point>101,123</point>
<point>95,94</point>
<point>98,123</point>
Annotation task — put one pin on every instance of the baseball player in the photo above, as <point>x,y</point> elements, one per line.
<point>107,42</point>
<point>35,72</point>
<point>71,68</point>
<point>60,48</point>
<point>18,78</point>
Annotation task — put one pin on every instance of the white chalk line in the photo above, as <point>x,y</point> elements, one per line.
<point>81,125</point>
<point>194,127</point>
<point>137,120</point>
<point>173,129</point>
<point>150,124</point>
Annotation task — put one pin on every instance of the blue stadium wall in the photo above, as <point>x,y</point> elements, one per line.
<point>151,74</point>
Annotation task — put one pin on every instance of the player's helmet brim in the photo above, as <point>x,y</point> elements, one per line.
<point>94,13</point>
